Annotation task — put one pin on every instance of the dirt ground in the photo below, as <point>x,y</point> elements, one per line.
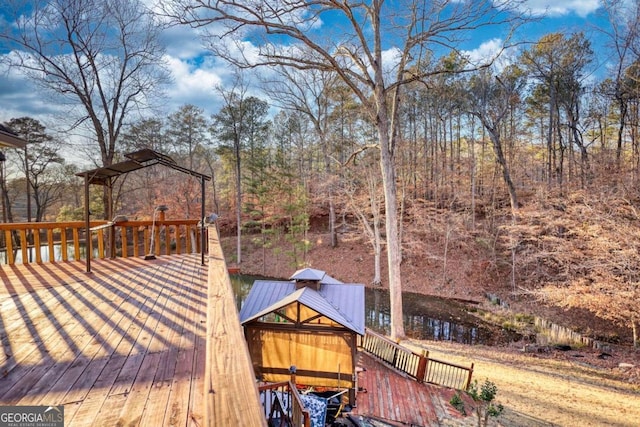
<point>551,389</point>
<point>543,387</point>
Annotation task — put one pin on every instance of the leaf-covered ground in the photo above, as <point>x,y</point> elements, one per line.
<point>570,254</point>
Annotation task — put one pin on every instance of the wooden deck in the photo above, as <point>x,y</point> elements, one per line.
<point>396,398</point>
<point>123,345</point>
<point>127,345</point>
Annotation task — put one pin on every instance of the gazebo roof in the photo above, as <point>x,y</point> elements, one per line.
<point>314,275</point>
<point>10,139</point>
<point>340,302</point>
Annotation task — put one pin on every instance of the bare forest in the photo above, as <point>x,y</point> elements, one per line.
<point>517,178</point>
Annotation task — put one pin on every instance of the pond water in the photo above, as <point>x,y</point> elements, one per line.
<point>46,256</point>
<point>425,317</point>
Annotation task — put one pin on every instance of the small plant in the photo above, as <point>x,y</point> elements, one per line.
<point>484,399</point>
<point>524,318</point>
<point>456,402</point>
<point>509,326</point>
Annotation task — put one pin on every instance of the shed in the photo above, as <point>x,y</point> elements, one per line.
<point>310,322</point>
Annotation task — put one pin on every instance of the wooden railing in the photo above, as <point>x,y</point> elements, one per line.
<point>62,241</point>
<point>230,390</point>
<point>418,366</point>
<point>282,405</point>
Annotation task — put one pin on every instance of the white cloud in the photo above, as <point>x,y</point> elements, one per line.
<point>182,42</point>
<point>557,8</point>
<point>491,50</point>
<point>485,52</point>
<point>195,80</point>
<point>21,97</point>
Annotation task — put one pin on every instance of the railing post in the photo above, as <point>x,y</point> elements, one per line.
<point>9,244</point>
<point>76,247</point>
<point>468,383</point>
<point>422,366</point>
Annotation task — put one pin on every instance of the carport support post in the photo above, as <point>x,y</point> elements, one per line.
<point>203,242</point>
<point>87,224</point>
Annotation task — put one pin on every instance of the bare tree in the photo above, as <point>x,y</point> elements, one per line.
<point>240,126</point>
<point>365,201</point>
<point>100,56</point>
<point>558,62</point>
<point>624,38</point>
<point>37,161</point>
<point>306,91</point>
<point>374,47</point>
<point>490,98</point>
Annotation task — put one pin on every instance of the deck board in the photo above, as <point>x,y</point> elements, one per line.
<point>122,344</point>
<point>126,345</point>
<point>396,398</point>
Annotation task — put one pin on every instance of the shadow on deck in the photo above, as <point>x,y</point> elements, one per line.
<point>124,344</point>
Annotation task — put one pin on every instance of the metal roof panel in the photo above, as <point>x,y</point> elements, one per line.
<point>9,138</point>
<point>315,275</point>
<point>342,303</point>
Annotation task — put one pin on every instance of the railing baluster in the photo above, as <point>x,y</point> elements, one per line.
<point>100,238</point>
<point>24,246</point>
<point>418,366</point>
<point>178,249</point>
<point>40,231</point>
<point>167,240</point>
<point>76,244</point>
<point>63,244</point>
<point>123,238</point>
<point>50,247</point>
<point>136,249</point>
<point>36,246</point>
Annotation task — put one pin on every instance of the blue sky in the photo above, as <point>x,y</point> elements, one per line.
<point>196,73</point>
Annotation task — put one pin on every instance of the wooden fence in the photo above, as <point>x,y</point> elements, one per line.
<point>418,366</point>
<point>548,332</point>
<point>62,241</point>
<point>282,405</point>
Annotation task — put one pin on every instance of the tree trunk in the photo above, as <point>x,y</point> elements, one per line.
<point>623,116</point>
<point>497,148</point>
<point>332,221</point>
<point>394,256</point>
<point>377,241</point>
<point>239,205</point>
<point>550,151</point>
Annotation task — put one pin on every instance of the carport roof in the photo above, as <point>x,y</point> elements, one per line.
<point>10,139</point>
<point>137,160</point>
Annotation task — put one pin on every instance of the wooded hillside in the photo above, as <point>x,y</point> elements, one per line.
<point>520,170</point>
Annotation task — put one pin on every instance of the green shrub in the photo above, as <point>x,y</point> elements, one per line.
<point>483,398</point>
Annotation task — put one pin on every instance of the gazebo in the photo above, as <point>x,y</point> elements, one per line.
<point>309,326</point>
